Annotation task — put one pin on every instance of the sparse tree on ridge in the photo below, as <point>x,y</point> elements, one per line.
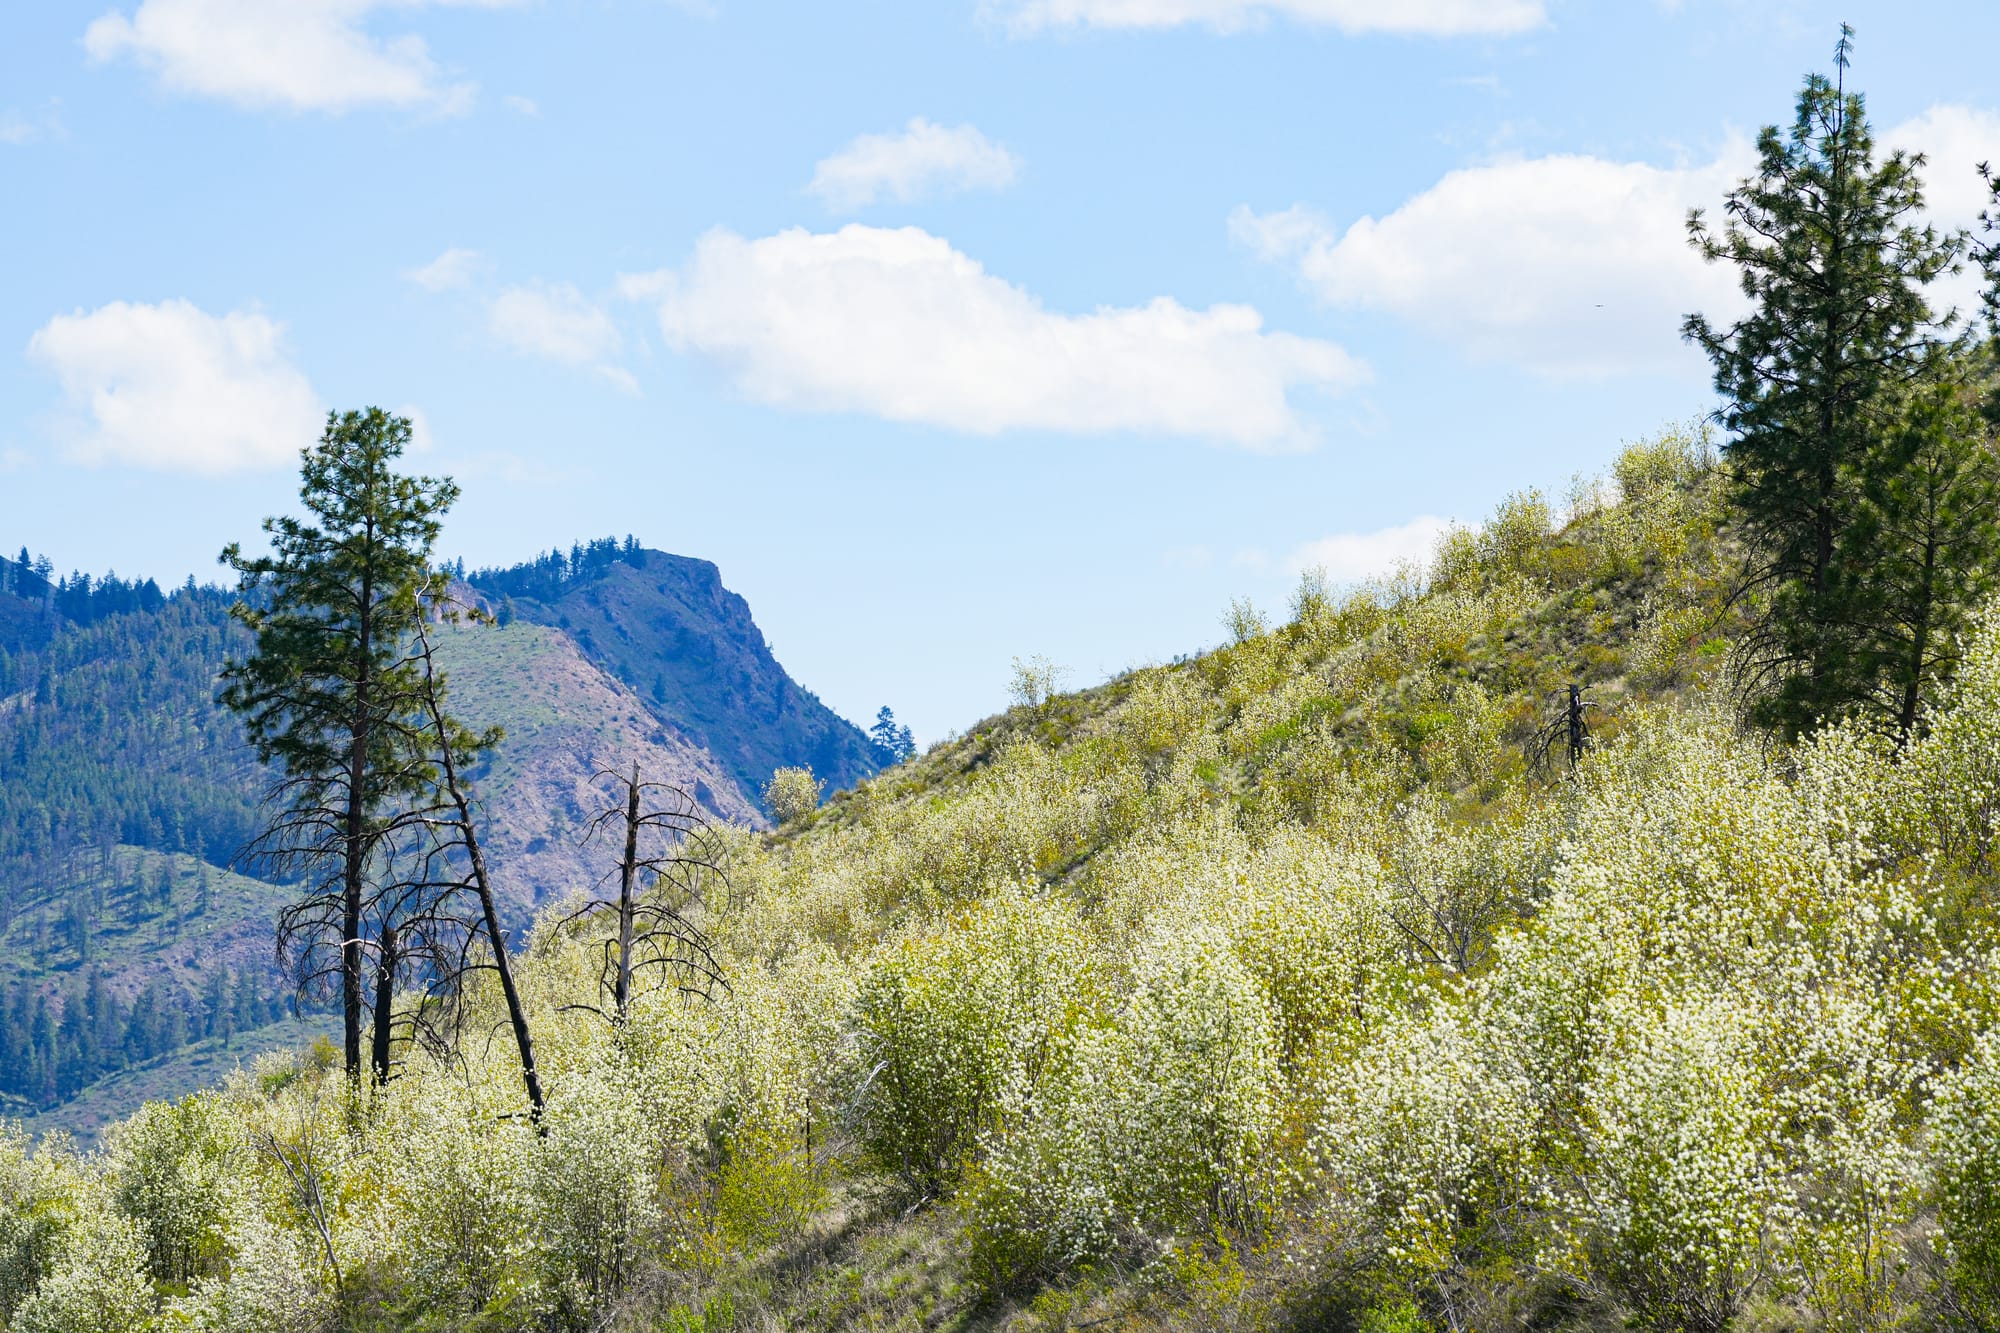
<point>1835,258</point>
<point>892,744</point>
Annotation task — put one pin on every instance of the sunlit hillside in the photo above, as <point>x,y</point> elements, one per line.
<point>1300,984</point>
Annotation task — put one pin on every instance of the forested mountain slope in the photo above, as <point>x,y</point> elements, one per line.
<point>667,627</point>
<point>126,796</point>
<point>1288,986</point>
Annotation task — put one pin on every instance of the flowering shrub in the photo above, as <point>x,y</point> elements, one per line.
<point>957,1029</point>
<point>1281,943</point>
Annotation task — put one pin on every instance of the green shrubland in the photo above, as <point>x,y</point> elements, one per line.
<point>1287,986</point>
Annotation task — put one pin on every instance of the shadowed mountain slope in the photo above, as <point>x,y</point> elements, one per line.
<point>666,626</point>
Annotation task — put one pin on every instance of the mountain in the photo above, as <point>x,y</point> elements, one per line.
<point>667,627</point>
<point>566,721</point>
<point>126,794</point>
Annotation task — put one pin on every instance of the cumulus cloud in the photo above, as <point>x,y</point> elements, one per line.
<point>1573,266</point>
<point>1426,18</point>
<point>1954,141</point>
<point>301,55</point>
<point>15,128</point>
<point>554,321</point>
<point>898,324</point>
<point>1579,266</point>
<point>173,388</point>
<point>922,159</point>
<point>1351,557</point>
<point>450,271</point>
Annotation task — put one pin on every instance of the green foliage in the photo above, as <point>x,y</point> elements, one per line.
<point>1835,260</point>
<point>958,1028</point>
<point>1267,984</point>
<point>1968,1159</point>
<point>172,1173</point>
<point>792,793</point>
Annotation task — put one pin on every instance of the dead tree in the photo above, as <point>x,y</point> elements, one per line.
<point>455,845</point>
<point>669,847</point>
<point>1568,730</point>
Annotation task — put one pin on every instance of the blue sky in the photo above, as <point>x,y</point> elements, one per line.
<point>950,330</point>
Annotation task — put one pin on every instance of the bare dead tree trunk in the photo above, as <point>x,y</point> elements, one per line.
<point>628,872</point>
<point>356,840</point>
<point>466,830</point>
<point>385,998</point>
<point>652,932</point>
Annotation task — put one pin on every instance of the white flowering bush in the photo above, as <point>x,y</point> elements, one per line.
<point>957,1027</point>
<point>1160,1124</point>
<point>1273,963</point>
<point>95,1282</point>
<point>38,1207</point>
<point>1968,1163</point>
<point>173,1174</point>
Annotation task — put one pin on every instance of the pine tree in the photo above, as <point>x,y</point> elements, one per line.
<point>1930,519</point>
<point>1834,260</point>
<point>328,689</point>
<point>892,744</point>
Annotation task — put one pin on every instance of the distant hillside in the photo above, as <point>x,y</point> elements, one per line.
<point>126,795</point>
<point>566,720</point>
<point>665,625</point>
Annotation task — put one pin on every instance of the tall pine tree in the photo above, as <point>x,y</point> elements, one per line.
<point>1834,259</point>
<point>330,690</point>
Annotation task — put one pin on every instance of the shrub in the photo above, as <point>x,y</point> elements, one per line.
<point>792,793</point>
<point>1968,1167</point>
<point>958,1026</point>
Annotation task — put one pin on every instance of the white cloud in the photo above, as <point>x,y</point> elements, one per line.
<point>899,324</point>
<point>17,127</point>
<point>422,440</point>
<point>450,271</point>
<point>1578,266</point>
<point>173,388</point>
<point>923,159</point>
<point>1350,557</point>
<point>555,322</point>
<point>527,106</point>
<point>1572,266</point>
<point>302,55</point>
<point>1954,140</point>
<point>1427,18</point>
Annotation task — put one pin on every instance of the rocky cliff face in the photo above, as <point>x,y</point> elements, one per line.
<point>687,647</point>
<point>567,721</point>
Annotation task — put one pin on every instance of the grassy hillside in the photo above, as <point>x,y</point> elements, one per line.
<point>1281,987</point>
<point>143,914</point>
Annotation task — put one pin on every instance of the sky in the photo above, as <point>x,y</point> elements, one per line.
<point>951,330</point>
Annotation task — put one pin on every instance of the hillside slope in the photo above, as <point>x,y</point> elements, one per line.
<point>566,721</point>
<point>126,794</point>
<point>1295,985</point>
<point>667,627</point>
